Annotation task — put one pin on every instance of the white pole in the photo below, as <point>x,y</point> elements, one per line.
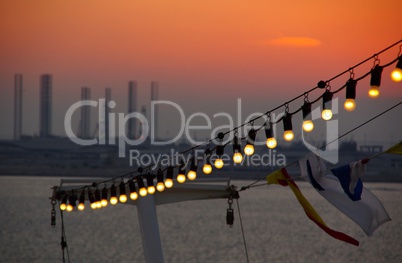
<point>148,220</point>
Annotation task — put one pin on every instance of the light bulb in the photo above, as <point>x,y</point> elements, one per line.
<point>98,204</point>
<point>396,75</point>
<point>168,183</point>
<point>151,189</point>
<point>237,157</point>
<point>207,168</point>
<point>374,92</point>
<point>81,206</point>
<point>93,206</point>
<point>123,198</point>
<point>63,206</point>
<point>191,175</point>
<point>288,135</point>
<point>143,191</point>
<point>160,187</point>
<point>69,208</point>
<point>271,143</point>
<point>113,200</point>
<point>349,104</point>
<point>218,163</point>
<point>181,178</point>
<point>133,196</point>
<point>308,125</point>
<point>104,202</point>
<point>326,114</point>
<point>249,149</point>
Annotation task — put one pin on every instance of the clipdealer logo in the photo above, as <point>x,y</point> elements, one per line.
<point>107,129</point>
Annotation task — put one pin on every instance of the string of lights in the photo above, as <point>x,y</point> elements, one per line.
<point>329,143</point>
<point>134,181</point>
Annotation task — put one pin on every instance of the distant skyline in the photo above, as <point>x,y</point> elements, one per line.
<point>204,55</point>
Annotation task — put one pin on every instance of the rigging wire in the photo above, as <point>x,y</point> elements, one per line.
<point>242,230</point>
<point>63,241</point>
<point>339,137</point>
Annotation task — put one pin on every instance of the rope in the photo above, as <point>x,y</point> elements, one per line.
<point>341,136</point>
<point>242,231</point>
<point>63,242</point>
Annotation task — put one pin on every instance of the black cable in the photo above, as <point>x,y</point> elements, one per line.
<point>63,242</point>
<point>242,230</point>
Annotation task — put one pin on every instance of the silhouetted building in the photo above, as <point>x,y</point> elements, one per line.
<point>154,115</point>
<point>85,121</point>
<point>142,125</point>
<point>132,107</point>
<point>17,106</point>
<point>108,96</point>
<point>45,105</point>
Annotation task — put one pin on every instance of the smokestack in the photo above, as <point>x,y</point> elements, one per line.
<point>85,122</point>
<point>144,113</point>
<point>154,115</point>
<point>132,107</point>
<point>108,96</point>
<point>45,105</point>
<point>17,106</point>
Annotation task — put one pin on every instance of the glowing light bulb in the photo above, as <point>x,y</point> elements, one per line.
<point>169,183</point>
<point>237,157</point>
<point>113,200</point>
<point>207,168</point>
<point>123,198</point>
<point>160,186</point>
<point>181,178</point>
<point>326,114</point>
<point>133,196</point>
<point>218,163</point>
<point>81,206</point>
<point>396,75</point>
<point>308,125</point>
<point>191,175</point>
<point>249,149</point>
<point>288,135</point>
<point>93,206</point>
<point>63,206</point>
<point>271,143</point>
<point>98,204</point>
<point>104,202</point>
<point>349,104</point>
<point>143,191</point>
<point>151,189</point>
<point>374,92</point>
<point>69,208</point>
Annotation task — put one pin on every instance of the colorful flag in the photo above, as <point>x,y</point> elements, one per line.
<point>367,212</point>
<point>396,149</point>
<point>281,177</point>
<point>349,177</point>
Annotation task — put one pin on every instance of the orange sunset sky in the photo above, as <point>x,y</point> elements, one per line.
<point>204,54</point>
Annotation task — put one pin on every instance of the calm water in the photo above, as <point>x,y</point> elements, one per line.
<point>276,228</point>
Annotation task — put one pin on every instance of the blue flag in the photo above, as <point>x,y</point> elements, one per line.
<point>353,187</point>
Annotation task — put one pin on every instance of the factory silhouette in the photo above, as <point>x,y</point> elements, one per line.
<point>49,154</point>
<point>84,127</point>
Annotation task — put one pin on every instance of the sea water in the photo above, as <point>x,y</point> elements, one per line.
<point>275,227</point>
